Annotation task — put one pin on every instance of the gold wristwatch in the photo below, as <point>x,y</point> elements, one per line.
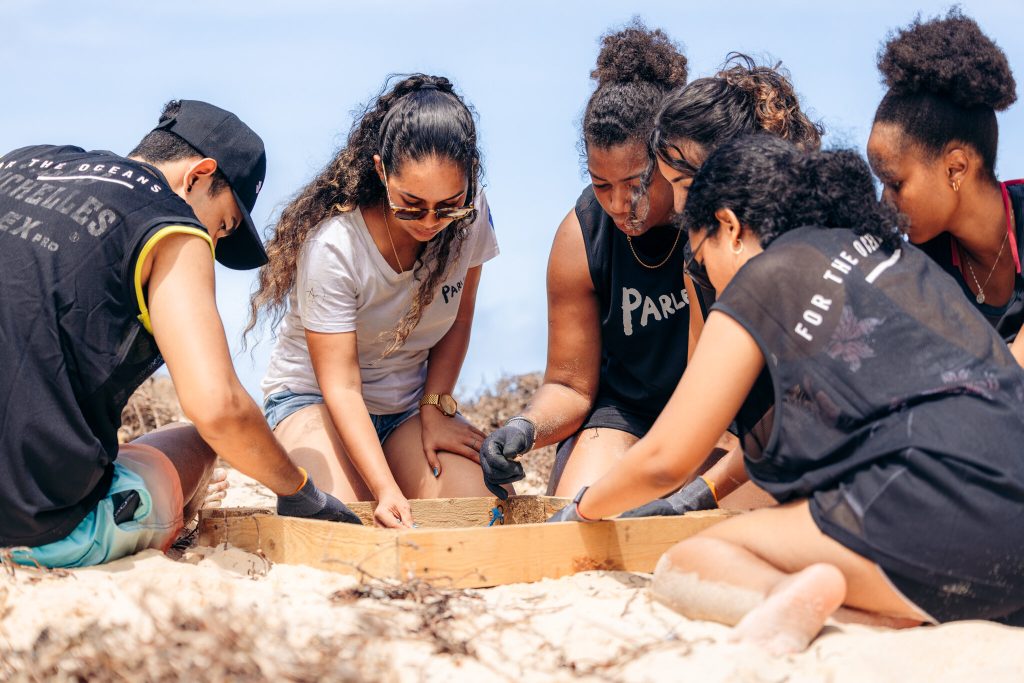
<point>444,402</point>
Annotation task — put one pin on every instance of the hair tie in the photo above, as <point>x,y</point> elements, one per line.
<point>428,86</point>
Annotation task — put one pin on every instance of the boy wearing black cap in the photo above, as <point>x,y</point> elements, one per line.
<point>106,268</point>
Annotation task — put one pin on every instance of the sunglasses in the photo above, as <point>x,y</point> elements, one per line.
<point>408,213</point>
<point>696,270</point>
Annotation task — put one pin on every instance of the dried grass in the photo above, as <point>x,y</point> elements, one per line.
<point>153,405</point>
<point>214,646</point>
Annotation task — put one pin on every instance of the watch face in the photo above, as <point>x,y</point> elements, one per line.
<point>447,405</point>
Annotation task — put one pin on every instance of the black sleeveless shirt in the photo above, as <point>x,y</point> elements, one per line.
<point>644,314</point>
<point>73,225</point>
<point>870,354</point>
<point>1008,318</point>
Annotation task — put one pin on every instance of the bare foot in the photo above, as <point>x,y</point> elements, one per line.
<point>794,612</point>
<point>217,489</point>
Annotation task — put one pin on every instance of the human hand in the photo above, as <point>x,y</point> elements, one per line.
<point>309,502</point>
<point>441,433</point>
<point>696,495</point>
<point>393,511</point>
<point>498,453</point>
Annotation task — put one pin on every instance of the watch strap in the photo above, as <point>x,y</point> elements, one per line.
<point>436,399</point>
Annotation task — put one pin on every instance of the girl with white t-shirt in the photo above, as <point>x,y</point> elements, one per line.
<point>373,271</point>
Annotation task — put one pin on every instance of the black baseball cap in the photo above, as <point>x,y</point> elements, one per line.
<point>241,157</point>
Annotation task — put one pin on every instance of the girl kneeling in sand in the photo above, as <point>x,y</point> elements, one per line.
<point>741,99</point>
<point>894,436</point>
<point>379,259</point>
<point>614,283</point>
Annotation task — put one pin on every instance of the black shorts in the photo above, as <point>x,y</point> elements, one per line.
<point>608,413</point>
<point>943,535</point>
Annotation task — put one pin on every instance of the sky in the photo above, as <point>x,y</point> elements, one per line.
<point>96,74</point>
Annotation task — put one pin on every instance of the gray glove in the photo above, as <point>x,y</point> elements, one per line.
<point>694,496</point>
<point>312,503</point>
<point>567,514</point>
<point>571,513</point>
<point>499,451</point>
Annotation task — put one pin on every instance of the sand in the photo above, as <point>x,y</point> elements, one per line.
<point>224,614</point>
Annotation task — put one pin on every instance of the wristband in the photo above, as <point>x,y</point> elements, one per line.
<point>305,478</point>
<point>711,487</point>
<point>576,502</point>
<point>529,422</point>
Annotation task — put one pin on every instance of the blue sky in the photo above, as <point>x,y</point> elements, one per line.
<point>96,74</point>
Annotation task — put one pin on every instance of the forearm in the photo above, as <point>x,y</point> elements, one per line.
<point>446,358</point>
<point>709,395</point>
<point>351,420</point>
<point>558,411</point>
<point>728,474</point>
<point>645,473</point>
<point>245,441</point>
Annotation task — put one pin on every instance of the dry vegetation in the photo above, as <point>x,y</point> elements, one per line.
<point>153,405</point>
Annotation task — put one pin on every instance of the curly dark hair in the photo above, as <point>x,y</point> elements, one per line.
<point>635,68</point>
<point>742,98</point>
<point>419,116</point>
<point>774,187</point>
<point>946,80</point>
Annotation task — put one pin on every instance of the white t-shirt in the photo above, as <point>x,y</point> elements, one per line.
<point>343,284</point>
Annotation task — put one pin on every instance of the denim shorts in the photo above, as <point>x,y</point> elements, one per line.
<point>278,406</point>
<point>99,538</point>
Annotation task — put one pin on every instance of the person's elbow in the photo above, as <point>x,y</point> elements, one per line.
<point>221,411</point>
<point>664,471</point>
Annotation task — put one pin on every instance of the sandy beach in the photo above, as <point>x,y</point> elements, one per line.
<point>222,614</point>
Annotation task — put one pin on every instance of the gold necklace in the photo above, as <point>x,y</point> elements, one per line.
<point>663,261</point>
<point>980,298</point>
<point>387,226</point>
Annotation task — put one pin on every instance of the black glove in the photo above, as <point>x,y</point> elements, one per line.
<point>312,503</point>
<point>499,450</point>
<point>696,495</point>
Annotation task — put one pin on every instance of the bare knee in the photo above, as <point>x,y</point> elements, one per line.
<point>689,555</point>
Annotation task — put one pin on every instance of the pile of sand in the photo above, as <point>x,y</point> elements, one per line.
<point>226,615</point>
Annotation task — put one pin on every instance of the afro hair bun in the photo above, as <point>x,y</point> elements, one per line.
<point>949,57</point>
<point>637,53</point>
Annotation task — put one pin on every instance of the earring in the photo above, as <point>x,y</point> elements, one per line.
<point>956,185</point>
<point>735,250</point>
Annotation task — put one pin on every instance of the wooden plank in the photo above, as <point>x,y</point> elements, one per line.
<point>518,553</point>
<point>474,556</point>
<point>443,513</point>
<point>450,513</point>
<point>361,551</point>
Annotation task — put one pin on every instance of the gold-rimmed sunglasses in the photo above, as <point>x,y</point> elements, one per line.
<point>409,213</point>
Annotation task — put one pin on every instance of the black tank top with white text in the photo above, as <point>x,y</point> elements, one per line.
<point>644,314</point>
